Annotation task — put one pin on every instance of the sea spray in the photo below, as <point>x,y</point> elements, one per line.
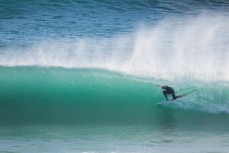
<point>194,47</point>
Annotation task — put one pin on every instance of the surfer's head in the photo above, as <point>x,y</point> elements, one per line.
<point>164,87</point>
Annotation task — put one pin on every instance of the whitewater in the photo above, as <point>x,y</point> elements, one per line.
<point>192,47</point>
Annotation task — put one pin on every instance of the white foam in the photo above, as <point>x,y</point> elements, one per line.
<point>194,47</point>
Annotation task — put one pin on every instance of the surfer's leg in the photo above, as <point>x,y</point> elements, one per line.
<point>165,94</point>
<point>173,95</point>
<point>178,96</point>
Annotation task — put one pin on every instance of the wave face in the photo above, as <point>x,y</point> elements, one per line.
<point>31,95</point>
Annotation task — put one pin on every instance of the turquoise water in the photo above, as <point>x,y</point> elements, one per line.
<point>82,76</point>
<point>58,109</point>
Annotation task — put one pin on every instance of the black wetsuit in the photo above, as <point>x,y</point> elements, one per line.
<point>169,90</point>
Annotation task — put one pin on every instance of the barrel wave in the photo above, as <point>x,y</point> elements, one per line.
<point>114,79</point>
<point>32,95</point>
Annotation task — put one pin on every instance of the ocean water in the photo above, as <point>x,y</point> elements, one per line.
<point>83,76</point>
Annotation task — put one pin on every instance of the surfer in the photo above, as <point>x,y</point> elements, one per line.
<point>169,90</point>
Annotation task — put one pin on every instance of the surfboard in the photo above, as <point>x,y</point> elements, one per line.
<point>169,101</point>
<point>187,92</point>
<point>165,102</point>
